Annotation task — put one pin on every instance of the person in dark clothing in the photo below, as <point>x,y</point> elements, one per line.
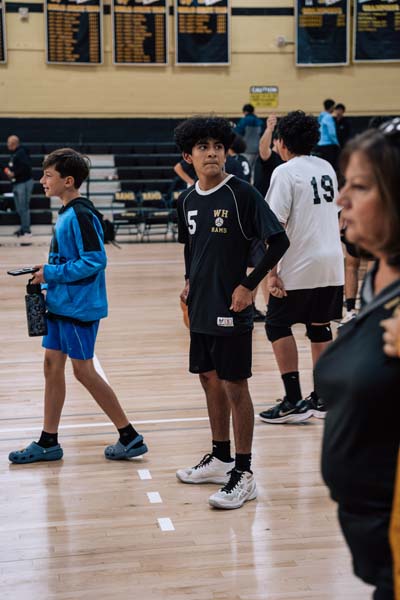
<point>343,127</point>
<point>218,219</point>
<point>76,300</point>
<point>250,127</point>
<point>358,382</point>
<point>19,171</point>
<point>236,155</point>
<point>328,145</point>
<point>268,158</point>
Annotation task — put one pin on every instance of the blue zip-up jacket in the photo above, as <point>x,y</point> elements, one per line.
<point>327,130</point>
<point>75,273</point>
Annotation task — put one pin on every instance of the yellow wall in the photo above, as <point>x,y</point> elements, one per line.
<point>29,87</point>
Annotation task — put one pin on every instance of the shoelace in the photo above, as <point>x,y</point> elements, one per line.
<point>235,477</point>
<point>207,458</point>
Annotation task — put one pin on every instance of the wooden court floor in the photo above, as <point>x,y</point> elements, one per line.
<point>87,528</point>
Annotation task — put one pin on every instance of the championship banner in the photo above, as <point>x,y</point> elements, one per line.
<point>376,31</point>
<point>74,32</point>
<point>3,48</point>
<point>202,32</point>
<point>322,33</point>
<point>140,32</point>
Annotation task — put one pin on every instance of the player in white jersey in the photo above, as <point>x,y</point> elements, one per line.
<point>307,285</point>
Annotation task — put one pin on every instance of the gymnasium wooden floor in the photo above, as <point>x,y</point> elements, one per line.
<point>85,528</point>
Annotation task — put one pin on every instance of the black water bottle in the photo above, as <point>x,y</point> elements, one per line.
<point>35,310</point>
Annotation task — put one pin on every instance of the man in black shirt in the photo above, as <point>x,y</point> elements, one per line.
<point>19,171</point>
<point>343,127</point>
<point>218,218</point>
<point>268,158</point>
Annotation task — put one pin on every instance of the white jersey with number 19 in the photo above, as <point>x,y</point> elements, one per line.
<point>302,195</point>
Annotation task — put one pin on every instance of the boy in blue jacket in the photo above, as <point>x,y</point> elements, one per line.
<point>76,300</point>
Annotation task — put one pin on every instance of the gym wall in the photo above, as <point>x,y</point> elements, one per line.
<point>30,88</point>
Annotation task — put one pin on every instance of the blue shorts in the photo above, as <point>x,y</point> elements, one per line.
<point>77,341</point>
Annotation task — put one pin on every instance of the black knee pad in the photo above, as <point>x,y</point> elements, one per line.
<point>276,332</point>
<point>319,333</point>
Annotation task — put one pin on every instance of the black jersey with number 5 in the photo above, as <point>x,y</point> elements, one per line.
<point>219,225</point>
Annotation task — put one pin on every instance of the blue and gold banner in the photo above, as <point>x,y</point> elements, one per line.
<point>322,33</point>
<point>3,47</point>
<point>74,32</point>
<point>376,31</point>
<point>202,32</point>
<point>140,32</point>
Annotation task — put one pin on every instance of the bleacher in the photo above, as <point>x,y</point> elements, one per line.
<point>132,184</point>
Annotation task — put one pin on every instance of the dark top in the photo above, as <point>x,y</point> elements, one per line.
<point>217,228</point>
<point>233,166</point>
<point>244,171</point>
<point>20,164</point>
<point>343,130</point>
<point>263,170</point>
<point>189,169</point>
<point>360,387</point>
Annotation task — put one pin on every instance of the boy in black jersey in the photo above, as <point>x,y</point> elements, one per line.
<point>218,218</point>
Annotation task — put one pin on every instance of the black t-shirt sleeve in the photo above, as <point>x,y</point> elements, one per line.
<point>258,220</point>
<point>183,235</point>
<point>188,168</point>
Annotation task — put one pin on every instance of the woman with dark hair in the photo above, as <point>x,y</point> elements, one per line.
<point>358,382</point>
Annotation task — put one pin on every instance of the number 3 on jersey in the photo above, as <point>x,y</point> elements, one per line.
<point>191,222</point>
<point>326,185</point>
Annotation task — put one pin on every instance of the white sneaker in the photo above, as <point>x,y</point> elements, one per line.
<point>349,316</point>
<point>240,489</point>
<point>209,470</point>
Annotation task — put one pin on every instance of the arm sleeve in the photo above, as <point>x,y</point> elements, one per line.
<point>277,246</point>
<point>186,253</point>
<point>183,236</point>
<point>92,255</point>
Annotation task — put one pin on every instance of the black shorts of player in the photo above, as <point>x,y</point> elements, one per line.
<point>318,305</point>
<point>229,355</point>
<point>257,253</point>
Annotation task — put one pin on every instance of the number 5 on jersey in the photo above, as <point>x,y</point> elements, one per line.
<point>191,222</point>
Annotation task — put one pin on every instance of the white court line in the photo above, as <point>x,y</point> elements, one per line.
<point>108,424</point>
<point>154,497</point>
<point>99,369</point>
<point>144,474</point>
<point>166,524</point>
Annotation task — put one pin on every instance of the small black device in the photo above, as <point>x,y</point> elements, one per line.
<point>23,271</point>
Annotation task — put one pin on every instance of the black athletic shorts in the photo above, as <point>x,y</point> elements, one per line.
<point>229,356</point>
<point>319,305</point>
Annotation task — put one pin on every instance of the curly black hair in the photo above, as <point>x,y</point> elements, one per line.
<point>299,132</point>
<point>199,129</point>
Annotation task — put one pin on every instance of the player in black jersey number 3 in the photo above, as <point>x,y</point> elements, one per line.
<point>219,217</point>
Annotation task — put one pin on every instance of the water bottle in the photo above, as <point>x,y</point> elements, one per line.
<point>35,310</point>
